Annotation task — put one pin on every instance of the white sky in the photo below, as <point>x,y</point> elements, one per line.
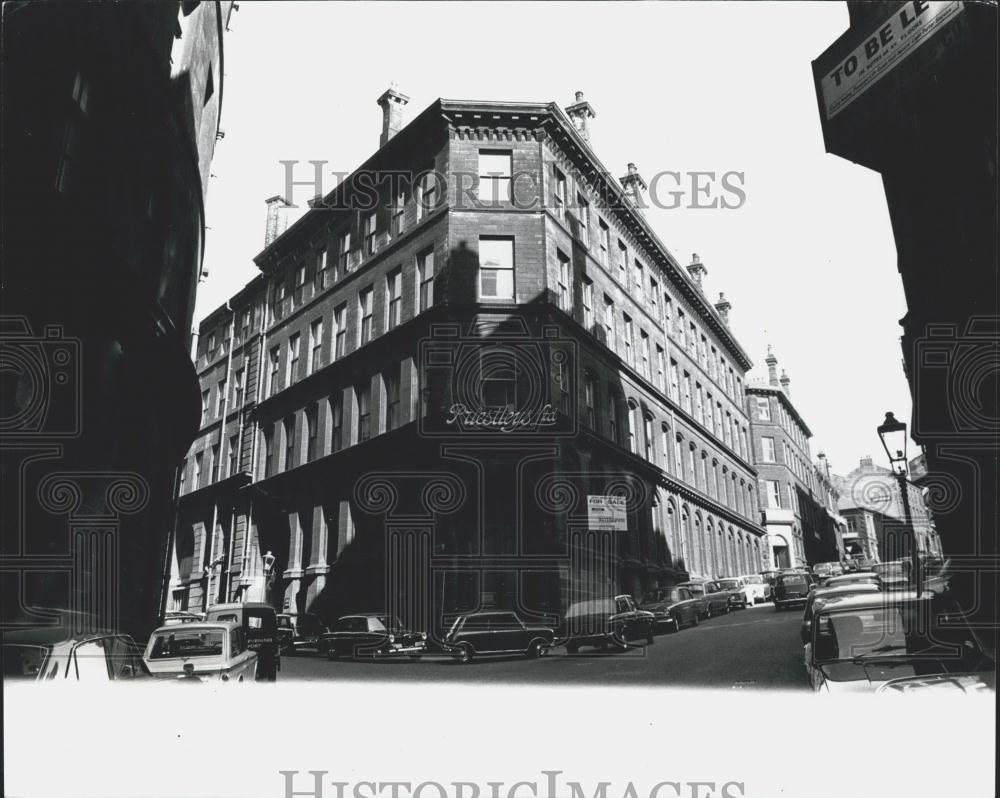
<point>808,262</point>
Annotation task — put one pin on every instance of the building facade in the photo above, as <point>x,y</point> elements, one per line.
<point>796,500</point>
<point>426,398</point>
<point>111,116</point>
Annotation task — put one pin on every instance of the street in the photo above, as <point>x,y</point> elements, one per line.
<point>752,648</point>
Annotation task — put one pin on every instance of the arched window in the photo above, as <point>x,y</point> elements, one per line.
<point>710,548</point>
<point>699,549</point>
<point>665,446</point>
<point>633,424</point>
<point>647,438</point>
<point>686,547</point>
<point>673,539</point>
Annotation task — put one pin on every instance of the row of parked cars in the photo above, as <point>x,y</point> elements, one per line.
<point>875,630</point>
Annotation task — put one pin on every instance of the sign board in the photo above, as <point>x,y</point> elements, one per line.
<point>910,26</point>
<point>607,513</point>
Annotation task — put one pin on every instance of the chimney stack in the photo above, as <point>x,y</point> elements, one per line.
<point>824,464</point>
<point>634,185</point>
<point>723,306</point>
<point>772,368</point>
<point>697,270</point>
<point>785,382</point>
<point>866,461</point>
<point>391,102</point>
<point>580,113</point>
<point>277,219</point>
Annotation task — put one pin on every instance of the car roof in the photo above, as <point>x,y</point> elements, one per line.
<point>846,588</point>
<point>249,605</point>
<point>187,628</point>
<point>875,600</point>
<point>53,635</point>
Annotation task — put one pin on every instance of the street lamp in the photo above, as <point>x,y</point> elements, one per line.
<point>268,567</point>
<point>892,433</point>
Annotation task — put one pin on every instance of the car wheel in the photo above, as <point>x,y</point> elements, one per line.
<point>677,621</point>
<point>464,653</point>
<point>534,650</point>
<point>708,613</point>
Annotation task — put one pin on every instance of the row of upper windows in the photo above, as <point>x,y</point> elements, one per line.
<point>790,458</point>
<point>785,420</point>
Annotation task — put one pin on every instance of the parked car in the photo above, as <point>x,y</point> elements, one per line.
<point>822,594</point>
<point>895,575</point>
<point>259,622</point>
<point>860,642</point>
<point>760,590</point>
<point>824,570</point>
<point>299,631</point>
<point>373,634</point>
<point>972,683</point>
<point>791,589</point>
<point>672,607</point>
<point>172,618</point>
<point>208,651</point>
<point>605,622</point>
<point>740,595</point>
<point>57,653</point>
<point>859,578</point>
<point>491,633</point>
<point>713,601</point>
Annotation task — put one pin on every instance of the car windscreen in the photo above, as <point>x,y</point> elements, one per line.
<point>754,580</point>
<point>593,607</point>
<point>202,643</point>
<point>23,661</point>
<point>728,584</point>
<point>390,622</point>
<point>795,581</point>
<point>889,570</point>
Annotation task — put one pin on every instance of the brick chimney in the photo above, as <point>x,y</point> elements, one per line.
<point>824,464</point>
<point>580,114</point>
<point>697,270</point>
<point>723,306</point>
<point>785,382</point>
<point>392,103</point>
<point>277,218</point>
<point>634,185</point>
<point>866,461</point>
<point>772,368</point>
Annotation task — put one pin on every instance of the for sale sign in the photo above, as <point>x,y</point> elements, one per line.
<point>607,513</point>
<point>883,50</point>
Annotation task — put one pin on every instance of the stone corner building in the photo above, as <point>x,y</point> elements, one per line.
<point>414,402</point>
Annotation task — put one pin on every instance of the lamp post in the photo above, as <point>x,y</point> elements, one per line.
<point>892,433</point>
<point>268,567</point>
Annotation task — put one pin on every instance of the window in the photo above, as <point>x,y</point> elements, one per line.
<point>339,331</point>
<point>344,254</point>
<point>639,277</point>
<point>312,426</point>
<point>604,242</point>
<point>692,473</point>
<point>612,414</point>
<point>668,317</point>
<point>678,463</point>
<point>198,462</point>
<point>274,358</point>
<point>627,338</point>
<point>709,414</point>
<point>588,303</point>
<point>654,297</point>
<point>392,418</point>
<point>321,278</point>
<point>216,463</point>
<point>369,234</point>
<point>220,399</point>
<point>703,353</point>
<point>763,408</point>
<point>647,437</point>
<point>204,406</point>
<point>293,359</point>
<point>234,454</point>
<point>633,423</point>
<point>497,377</point>
<point>300,283</point>
<point>398,218</point>
<point>773,494</point>
<point>686,398</point>
<point>565,282</point>
<point>561,374</point>
<point>363,393</point>
<point>289,443</point>
<point>268,451</point>
<point>427,193</point>
<point>665,445</point>
<point>278,307</point>
<point>394,291</point>
<point>337,421</point>
<point>644,354</point>
<point>582,214</point>
<point>661,377</point>
<point>609,324</point>
<point>590,400</point>
<point>699,403</point>
<point>365,312</point>
<point>674,381</point>
<point>767,446</point>
<point>559,192</point>
<point>622,263</point>
<point>496,268</point>
<point>494,176</point>
<point>315,345</point>
<point>692,341</point>
<point>425,279</point>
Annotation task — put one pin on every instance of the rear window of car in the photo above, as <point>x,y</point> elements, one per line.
<point>203,643</point>
<point>23,661</point>
<point>593,607</point>
<point>792,580</point>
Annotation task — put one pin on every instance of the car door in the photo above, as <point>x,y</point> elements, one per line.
<point>477,633</point>
<point>125,659</point>
<point>687,611</point>
<point>90,662</point>
<point>512,634</point>
<point>626,617</point>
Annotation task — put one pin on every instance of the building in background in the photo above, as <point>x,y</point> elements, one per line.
<point>491,386</point>
<point>796,500</point>
<point>910,91</point>
<point>876,519</point>
<point>111,117</point>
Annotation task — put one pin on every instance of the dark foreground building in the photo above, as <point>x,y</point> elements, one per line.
<point>110,118</point>
<point>910,90</point>
<point>486,385</point>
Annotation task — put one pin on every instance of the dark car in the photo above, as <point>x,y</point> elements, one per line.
<point>606,622</point>
<point>299,631</point>
<point>791,589</point>
<point>894,575</point>
<point>260,630</point>
<point>672,607</point>
<point>491,633</point>
<point>376,635</point>
<point>822,594</point>
<point>712,599</point>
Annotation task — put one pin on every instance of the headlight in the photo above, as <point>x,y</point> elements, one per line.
<point>392,638</point>
<point>423,635</point>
